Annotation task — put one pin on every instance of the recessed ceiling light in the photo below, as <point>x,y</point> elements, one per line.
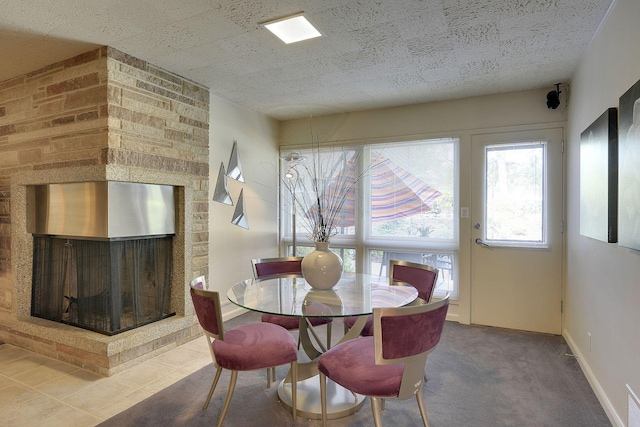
<point>293,28</point>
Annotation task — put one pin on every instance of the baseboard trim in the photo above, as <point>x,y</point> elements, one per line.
<point>231,311</point>
<point>593,381</point>
<point>453,317</point>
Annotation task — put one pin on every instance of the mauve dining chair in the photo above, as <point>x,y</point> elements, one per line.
<point>421,276</point>
<point>244,348</point>
<point>389,364</point>
<point>283,266</point>
<point>286,267</point>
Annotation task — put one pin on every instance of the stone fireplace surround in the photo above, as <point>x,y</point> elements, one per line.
<point>91,350</point>
<point>151,127</point>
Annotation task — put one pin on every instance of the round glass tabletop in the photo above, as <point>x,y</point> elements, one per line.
<point>354,295</point>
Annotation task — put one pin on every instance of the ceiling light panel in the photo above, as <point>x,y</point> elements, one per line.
<point>293,28</point>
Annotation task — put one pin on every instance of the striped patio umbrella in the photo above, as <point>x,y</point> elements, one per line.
<point>395,192</point>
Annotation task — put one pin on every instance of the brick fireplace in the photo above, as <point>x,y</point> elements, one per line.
<point>101,116</point>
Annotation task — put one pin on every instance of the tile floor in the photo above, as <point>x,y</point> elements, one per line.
<point>39,391</point>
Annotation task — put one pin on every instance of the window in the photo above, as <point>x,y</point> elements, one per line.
<point>514,186</point>
<point>411,194</point>
<point>401,203</point>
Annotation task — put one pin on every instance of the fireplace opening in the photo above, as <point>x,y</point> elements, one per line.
<point>102,253</point>
<point>107,286</point>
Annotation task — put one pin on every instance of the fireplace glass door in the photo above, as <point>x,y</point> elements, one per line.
<point>106,286</point>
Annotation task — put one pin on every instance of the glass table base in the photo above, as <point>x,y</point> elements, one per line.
<point>340,401</point>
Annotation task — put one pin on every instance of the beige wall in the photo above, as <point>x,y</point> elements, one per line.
<point>603,280</point>
<point>460,118</point>
<point>231,248</point>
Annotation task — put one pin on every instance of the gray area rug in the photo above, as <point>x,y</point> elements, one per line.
<point>478,376</point>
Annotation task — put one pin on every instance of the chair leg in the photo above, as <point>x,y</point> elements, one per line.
<point>375,407</point>
<point>232,387</point>
<point>323,398</point>
<point>329,335</point>
<point>213,387</point>
<point>294,389</point>
<point>423,409</point>
<point>271,376</point>
<point>268,377</point>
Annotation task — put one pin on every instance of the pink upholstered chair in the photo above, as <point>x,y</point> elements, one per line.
<point>286,267</point>
<point>391,363</point>
<point>421,276</point>
<point>244,348</point>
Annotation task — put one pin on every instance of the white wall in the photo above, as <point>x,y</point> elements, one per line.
<point>459,118</point>
<point>231,248</point>
<point>603,280</point>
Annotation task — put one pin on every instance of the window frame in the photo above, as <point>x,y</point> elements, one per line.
<point>510,243</point>
<point>362,240</point>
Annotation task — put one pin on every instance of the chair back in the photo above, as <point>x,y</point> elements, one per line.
<point>420,276</point>
<point>286,266</point>
<point>207,306</point>
<point>199,283</point>
<point>407,335</point>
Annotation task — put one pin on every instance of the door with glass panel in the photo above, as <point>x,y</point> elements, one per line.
<point>517,226</point>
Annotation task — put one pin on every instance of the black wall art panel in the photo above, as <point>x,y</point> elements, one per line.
<point>599,178</point>
<point>629,169</point>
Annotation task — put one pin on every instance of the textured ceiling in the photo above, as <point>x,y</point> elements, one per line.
<point>376,53</point>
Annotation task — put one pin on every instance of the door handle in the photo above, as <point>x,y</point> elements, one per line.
<point>481,243</point>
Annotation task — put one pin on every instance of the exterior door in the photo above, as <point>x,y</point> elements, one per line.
<point>517,220</point>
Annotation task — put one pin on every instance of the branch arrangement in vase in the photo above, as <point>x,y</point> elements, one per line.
<point>325,181</point>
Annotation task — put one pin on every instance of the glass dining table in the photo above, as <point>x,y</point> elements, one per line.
<point>291,295</point>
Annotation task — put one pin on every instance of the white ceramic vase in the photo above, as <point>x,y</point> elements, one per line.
<point>322,268</point>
